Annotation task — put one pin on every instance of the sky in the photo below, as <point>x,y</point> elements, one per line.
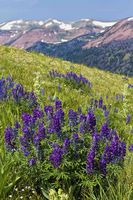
<point>67,10</point>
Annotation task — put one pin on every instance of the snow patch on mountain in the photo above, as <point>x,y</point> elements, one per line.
<point>130,19</point>
<point>66,27</point>
<point>61,25</point>
<point>63,40</point>
<point>48,24</point>
<point>103,24</point>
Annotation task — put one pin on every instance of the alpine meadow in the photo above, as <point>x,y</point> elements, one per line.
<point>66,130</point>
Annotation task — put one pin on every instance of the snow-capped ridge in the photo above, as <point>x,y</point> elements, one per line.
<point>104,24</point>
<point>62,25</point>
<point>130,19</point>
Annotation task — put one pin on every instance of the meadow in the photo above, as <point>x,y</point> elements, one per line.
<point>66,130</point>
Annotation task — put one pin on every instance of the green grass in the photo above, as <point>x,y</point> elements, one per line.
<point>31,70</point>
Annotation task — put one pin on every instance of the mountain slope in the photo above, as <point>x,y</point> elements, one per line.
<point>122,30</point>
<point>24,67</point>
<point>111,50</point>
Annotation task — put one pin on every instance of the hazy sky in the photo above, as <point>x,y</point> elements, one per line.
<point>67,10</point>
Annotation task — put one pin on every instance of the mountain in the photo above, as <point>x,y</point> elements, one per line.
<point>106,45</point>
<point>122,30</point>
<point>110,50</point>
<point>24,33</point>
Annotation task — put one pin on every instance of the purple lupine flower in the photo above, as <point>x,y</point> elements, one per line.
<point>66,144</point>
<point>37,113</point>
<point>26,152</point>
<point>40,135</point>
<point>96,103</point>
<point>130,85</point>
<point>128,119</point>
<point>72,118</point>
<point>90,161</point>
<point>60,115</point>
<point>104,108</point>
<point>71,76</point>
<point>58,104</point>
<point>117,97</point>
<point>56,125</point>
<point>18,92</point>
<point>114,147</point>
<point>41,129</point>
<point>100,102</point>
<point>56,156</point>
<point>32,161</point>
<point>107,154</point>
<point>17,125</point>
<point>95,139</point>
<point>24,141</point>
<point>130,148</point>
<point>82,117</point>
<point>27,119</point>
<point>122,149</point>
<point>75,136</point>
<point>82,125</point>
<point>9,138</point>
<point>105,130</point>
<point>122,97</point>
<point>79,110</point>
<point>48,110</point>
<point>103,165</point>
<point>91,120</point>
<point>32,99</point>
<point>81,129</point>
<point>106,113</point>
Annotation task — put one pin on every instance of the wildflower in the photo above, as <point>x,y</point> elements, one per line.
<point>60,115</point>
<point>103,165</point>
<point>75,136</point>
<point>18,92</point>
<point>91,120</point>
<point>130,147</point>
<point>100,102</point>
<point>66,144</point>
<point>37,113</point>
<point>106,113</point>
<point>105,131</point>
<point>40,135</point>
<point>32,161</point>
<point>122,149</point>
<point>95,139</point>
<point>57,125</point>
<point>48,110</point>
<point>27,119</point>
<point>56,156</point>
<point>58,104</point>
<point>17,125</point>
<point>90,161</point>
<point>72,118</point>
<point>9,138</point>
<point>128,119</point>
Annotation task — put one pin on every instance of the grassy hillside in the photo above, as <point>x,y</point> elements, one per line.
<point>24,67</point>
<point>32,71</point>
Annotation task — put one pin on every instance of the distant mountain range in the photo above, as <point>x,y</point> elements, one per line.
<point>106,45</point>
<point>24,34</point>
